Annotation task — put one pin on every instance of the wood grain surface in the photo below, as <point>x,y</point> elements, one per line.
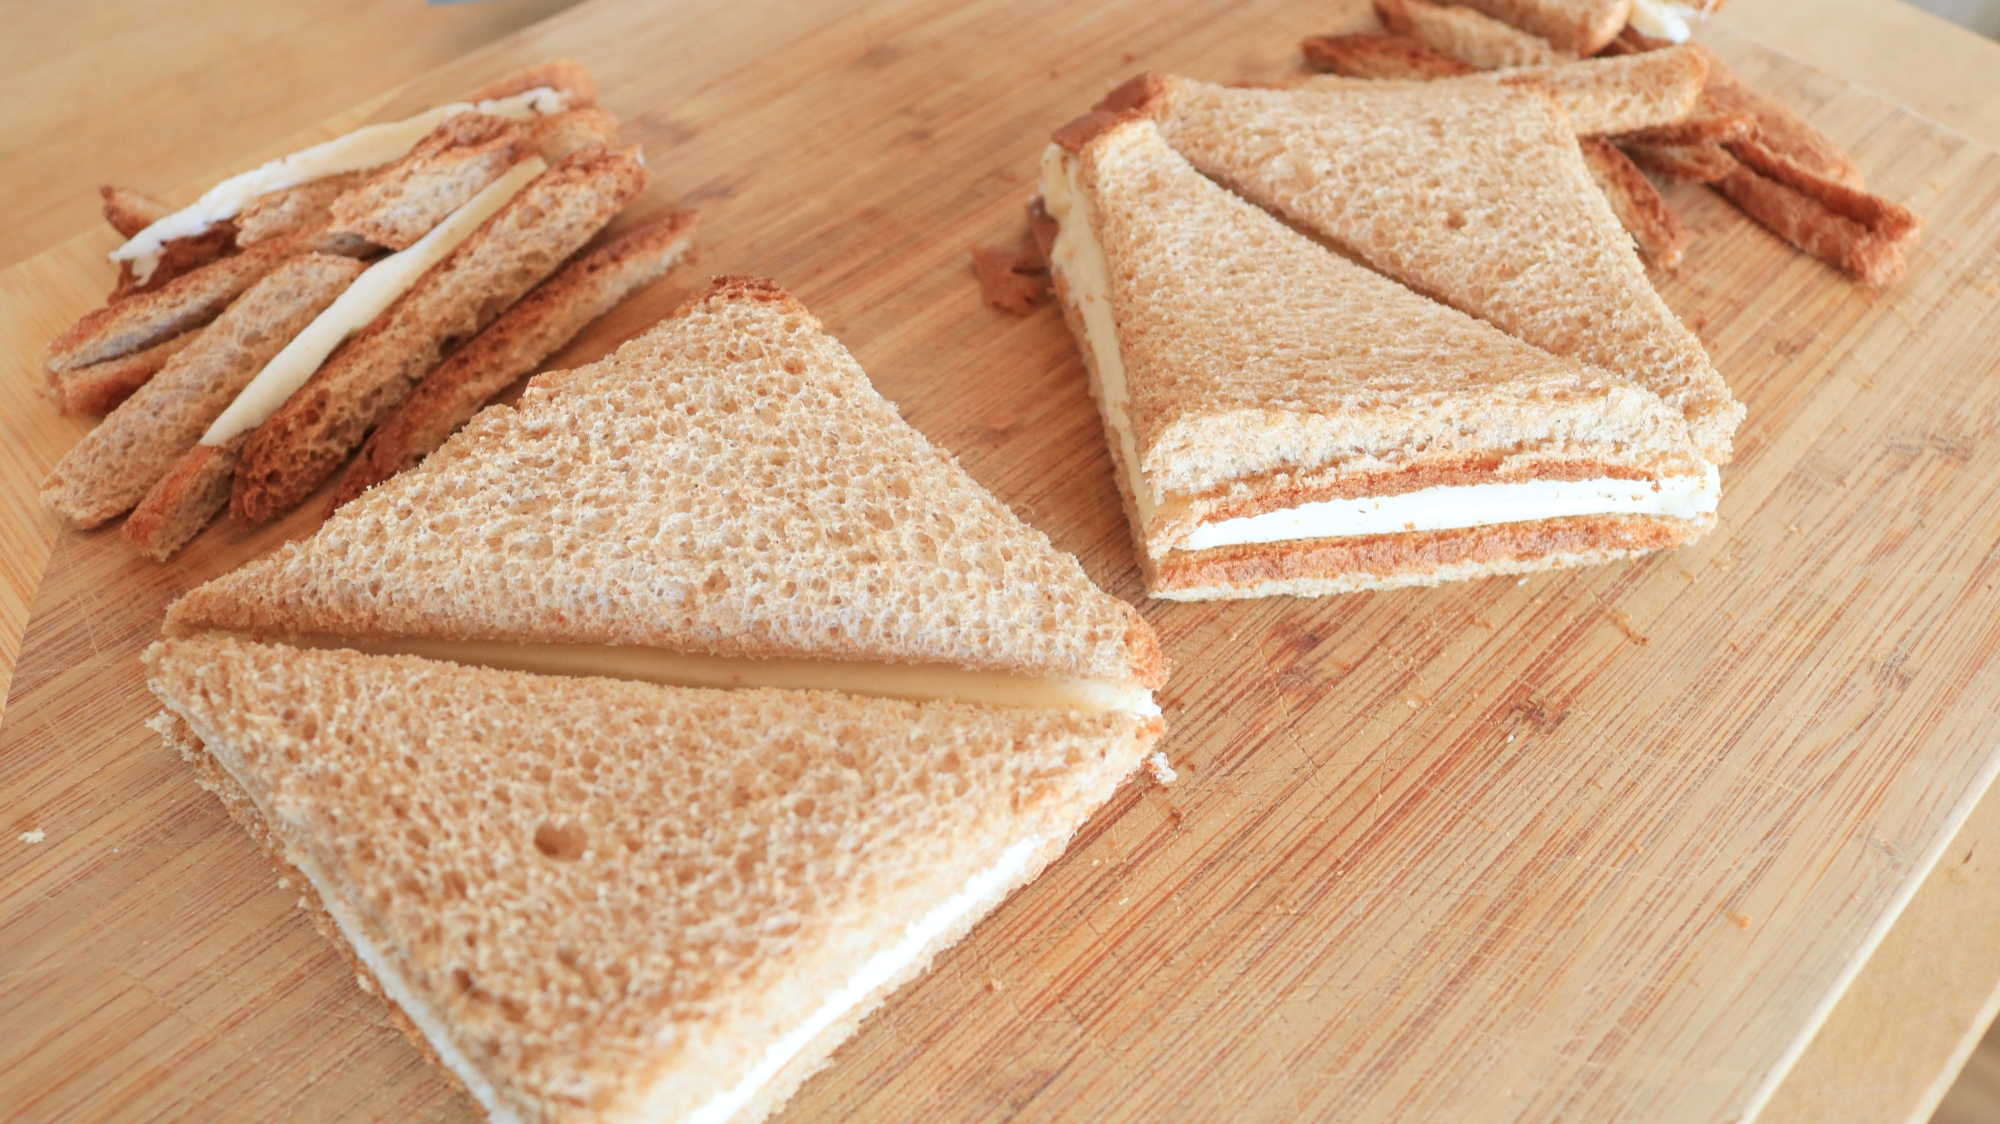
<point>1602,845</point>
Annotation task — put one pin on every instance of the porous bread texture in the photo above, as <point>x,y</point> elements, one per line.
<point>1476,197</point>
<point>607,895</point>
<point>308,437</point>
<point>402,202</point>
<point>1264,371</point>
<point>191,494</point>
<point>1321,567</point>
<point>514,345</point>
<point>116,463</point>
<point>728,483</point>
<point>281,212</point>
<point>1581,27</point>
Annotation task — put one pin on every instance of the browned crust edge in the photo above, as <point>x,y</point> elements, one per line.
<point>1399,559</point>
<point>1380,57</point>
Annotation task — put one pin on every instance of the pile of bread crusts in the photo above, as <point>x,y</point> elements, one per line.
<point>372,292</point>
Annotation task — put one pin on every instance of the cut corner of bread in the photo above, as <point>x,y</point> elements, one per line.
<point>1473,194</point>
<point>610,900</point>
<point>1284,420</point>
<point>723,501</point>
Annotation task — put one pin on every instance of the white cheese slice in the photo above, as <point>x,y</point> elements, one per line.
<point>1467,505</point>
<point>366,147</point>
<point>376,289</point>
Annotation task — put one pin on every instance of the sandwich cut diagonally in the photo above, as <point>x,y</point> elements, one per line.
<point>1284,420</point>
<point>479,713</point>
<point>1476,197</point>
<point>590,899</point>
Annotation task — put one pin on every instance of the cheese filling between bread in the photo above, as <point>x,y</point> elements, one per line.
<point>880,970</point>
<point>376,289</point>
<point>921,683</point>
<point>1079,258</point>
<point>1467,505</point>
<point>367,147</point>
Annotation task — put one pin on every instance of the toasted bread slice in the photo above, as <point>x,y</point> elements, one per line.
<point>189,301</point>
<point>115,465</point>
<point>513,346</point>
<point>728,484</point>
<point>191,494</point>
<point>402,202</point>
<point>130,212</point>
<point>590,899</point>
<point>100,387</point>
<point>1580,27</point>
<point>1477,197</point>
<point>1607,95</point>
<point>295,208</point>
<point>1652,224</point>
<point>1480,42</point>
<point>1249,376</point>
<point>306,440</point>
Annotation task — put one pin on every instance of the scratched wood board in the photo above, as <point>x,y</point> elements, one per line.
<point>1604,844</point>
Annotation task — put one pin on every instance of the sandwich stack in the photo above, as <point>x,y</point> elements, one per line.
<point>645,736</point>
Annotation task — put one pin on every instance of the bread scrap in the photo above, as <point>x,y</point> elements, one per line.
<point>401,203</point>
<point>129,212</point>
<point>1380,56</point>
<point>513,346</point>
<point>115,465</point>
<point>100,387</point>
<point>186,499</point>
<point>306,440</point>
<point>294,208</point>
<point>1581,27</point>
<point>1641,211</point>
<point>1479,41</point>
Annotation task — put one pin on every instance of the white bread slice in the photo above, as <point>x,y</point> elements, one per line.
<point>727,484</point>
<point>1478,197</point>
<point>1258,372</point>
<point>605,901</point>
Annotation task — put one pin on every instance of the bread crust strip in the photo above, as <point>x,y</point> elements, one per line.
<point>100,387</point>
<point>306,439</point>
<point>1379,57</point>
<point>1578,26</point>
<point>1637,203</point>
<point>130,212</point>
<point>188,301</point>
<point>115,465</point>
<point>1810,225</point>
<point>512,346</point>
<point>555,137</point>
<point>567,75</point>
<point>1621,94</point>
<point>1692,163</point>
<point>1477,40</point>
<point>192,493</point>
<point>279,213</point>
<point>401,203</point>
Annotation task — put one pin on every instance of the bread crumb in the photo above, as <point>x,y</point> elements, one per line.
<point>995,985</point>
<point>365,983</point>
<point>1163,773</point>
<point>37,835</point>
<point>284,883</point>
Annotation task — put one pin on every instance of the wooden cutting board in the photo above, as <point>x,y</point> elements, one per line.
<point>1603,845</point>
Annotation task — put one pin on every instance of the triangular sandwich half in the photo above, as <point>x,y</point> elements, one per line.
<point>593,900</point>
<point>724,501</point>
<point>1283,420</point>
<point>1476,196</point>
